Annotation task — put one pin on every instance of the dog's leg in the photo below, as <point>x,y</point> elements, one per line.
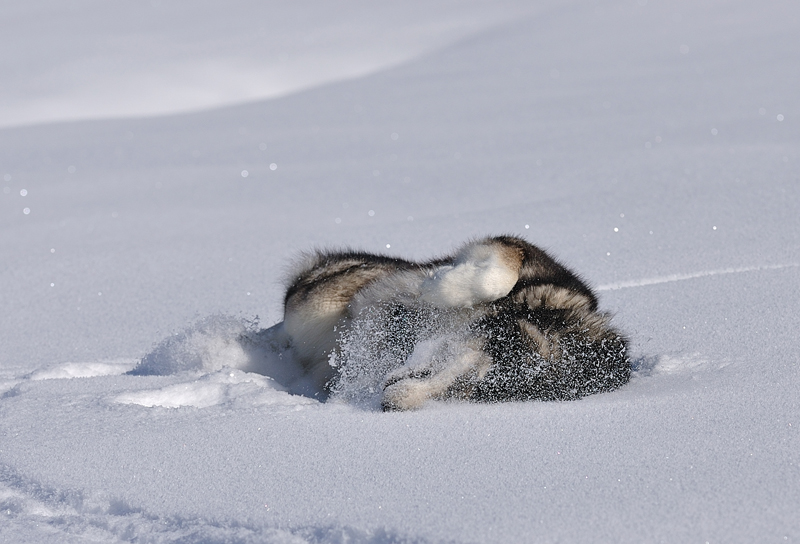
<point>449,369</point>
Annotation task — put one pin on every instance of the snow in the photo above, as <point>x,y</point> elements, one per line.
<point>653,147</point>
<point>90,60</point>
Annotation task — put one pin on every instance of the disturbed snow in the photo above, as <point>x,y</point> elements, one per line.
<point>651,147</point>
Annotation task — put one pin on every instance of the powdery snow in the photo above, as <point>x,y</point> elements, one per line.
<point>652,147</point>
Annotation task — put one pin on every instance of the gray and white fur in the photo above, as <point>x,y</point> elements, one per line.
<point>499,320</point>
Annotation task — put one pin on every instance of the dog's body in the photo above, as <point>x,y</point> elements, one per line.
<point>499,320</point>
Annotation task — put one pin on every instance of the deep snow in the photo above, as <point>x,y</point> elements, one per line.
<point>651,146</point>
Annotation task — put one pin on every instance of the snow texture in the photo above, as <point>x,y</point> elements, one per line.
<point>163,163</point>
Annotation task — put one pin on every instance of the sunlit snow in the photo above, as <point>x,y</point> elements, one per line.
<point>146,232</point>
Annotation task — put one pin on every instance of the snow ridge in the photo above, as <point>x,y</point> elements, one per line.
<point>70,515</point>
<point>683,277</point>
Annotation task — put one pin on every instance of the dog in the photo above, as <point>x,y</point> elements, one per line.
<point>498,320</point>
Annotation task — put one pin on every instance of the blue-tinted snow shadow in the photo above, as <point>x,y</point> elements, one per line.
<point>644,365</point>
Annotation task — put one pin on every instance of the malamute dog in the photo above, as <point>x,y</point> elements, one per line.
<point>498,320</point>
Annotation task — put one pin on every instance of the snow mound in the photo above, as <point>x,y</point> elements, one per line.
<point>230,387</point>
<point>209,345</point>
<point>83,370</point>
<point>228,359</point>
<point>219,342</point>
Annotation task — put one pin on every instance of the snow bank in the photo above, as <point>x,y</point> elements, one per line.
<point>156,58</point>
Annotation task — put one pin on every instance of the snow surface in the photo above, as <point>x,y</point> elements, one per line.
<point>652,146</point>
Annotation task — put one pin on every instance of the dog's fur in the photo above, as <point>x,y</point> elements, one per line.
<point>499,320</point>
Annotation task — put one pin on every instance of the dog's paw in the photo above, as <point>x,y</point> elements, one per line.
<point>407,388</point>
<point>406,394</point>
<point>407,373</point>
<point>438,369</point>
